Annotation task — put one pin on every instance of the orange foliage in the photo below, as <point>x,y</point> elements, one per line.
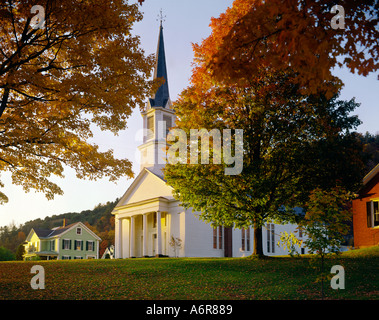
<point>277,34</point>
<point>82,69</point>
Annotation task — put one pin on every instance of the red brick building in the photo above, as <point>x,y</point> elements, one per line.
<point>366,211</point>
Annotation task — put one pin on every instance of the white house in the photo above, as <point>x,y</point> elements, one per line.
<point>147,215</point>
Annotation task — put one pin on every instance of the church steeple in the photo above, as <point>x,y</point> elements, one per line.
<point>158,117</point>
<point>162,96</point>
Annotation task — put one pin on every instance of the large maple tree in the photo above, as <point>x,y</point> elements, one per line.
<point>76,67</point>
<point>292,143</point>
<point>293,33</point>
<point>251,73</point>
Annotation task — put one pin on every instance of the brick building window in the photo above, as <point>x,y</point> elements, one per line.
<point>372,214</point>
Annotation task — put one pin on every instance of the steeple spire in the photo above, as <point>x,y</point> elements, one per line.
<point>158,116</point>
<point>162,95</point>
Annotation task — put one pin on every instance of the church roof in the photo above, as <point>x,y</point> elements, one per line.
<point>162,95</point>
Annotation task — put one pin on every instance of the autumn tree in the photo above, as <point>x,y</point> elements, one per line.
<point>296,34</point>
<point>326,223</point>
<point>266,68</point>
<point>280,128</point>
<point>67,67</point>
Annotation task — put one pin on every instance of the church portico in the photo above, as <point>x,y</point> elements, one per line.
<point>143,232</point>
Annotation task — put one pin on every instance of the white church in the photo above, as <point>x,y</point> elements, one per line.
<point>147,216</point>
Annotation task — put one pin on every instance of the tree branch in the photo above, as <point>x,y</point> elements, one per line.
<point>4,100</point>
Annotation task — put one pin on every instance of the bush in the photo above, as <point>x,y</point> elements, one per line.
<point>6,254</point>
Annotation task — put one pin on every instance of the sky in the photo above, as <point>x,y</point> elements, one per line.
<point>186,22</point>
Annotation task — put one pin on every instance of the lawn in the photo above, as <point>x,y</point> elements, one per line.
<point>193,279</point>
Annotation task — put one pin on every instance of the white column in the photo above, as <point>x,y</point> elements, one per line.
<point>144,226</point>
<point>125,238</point>
<point>159,234</point>
<point>132,225</point>
<point>118,238</point>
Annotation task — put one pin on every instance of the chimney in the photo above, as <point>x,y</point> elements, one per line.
<point>64,222</point>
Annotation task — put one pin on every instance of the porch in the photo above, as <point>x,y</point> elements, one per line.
<point>40,255</point>
<point>143,232</point>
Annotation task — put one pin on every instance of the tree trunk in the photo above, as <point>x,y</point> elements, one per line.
<point>258,243</point>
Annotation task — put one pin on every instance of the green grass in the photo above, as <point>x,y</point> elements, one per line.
<point>194,279</point>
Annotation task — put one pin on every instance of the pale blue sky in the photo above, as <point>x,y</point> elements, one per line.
<point>187,22</point>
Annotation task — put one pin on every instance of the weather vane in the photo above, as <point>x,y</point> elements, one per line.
<point>161,17</point>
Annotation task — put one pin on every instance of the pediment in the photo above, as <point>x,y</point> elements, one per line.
<point>146,186</point>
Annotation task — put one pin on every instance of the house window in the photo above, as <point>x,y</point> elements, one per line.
<point>90,245</point>
<point>66,244</point>
<point>372,214</point>
<point>52,245</point>
<point>66,258</point>
<point>78,258</point>
<point>78,231</point>
<point>271,237</point>
<point>78,245</point>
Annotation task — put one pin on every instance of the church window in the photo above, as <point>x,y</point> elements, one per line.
<point>245,239</point>
<point>168,121</point>
<point>271,237</point>
<point>218,238</point>
<point>248,239</point>
<point>214,238</point>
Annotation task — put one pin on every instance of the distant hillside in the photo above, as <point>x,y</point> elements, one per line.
<point>99,220</point>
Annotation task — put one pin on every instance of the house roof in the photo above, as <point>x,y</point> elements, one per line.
<point>42,233</point>
<point>49,233</point>
<point>371,175</point>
